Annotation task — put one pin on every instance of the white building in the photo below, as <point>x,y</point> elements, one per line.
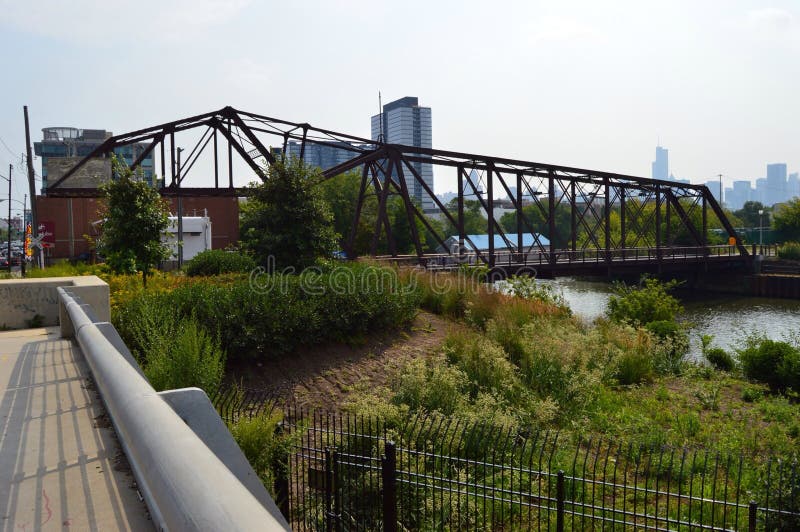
<point>196,236</point>
<point>404,122</point>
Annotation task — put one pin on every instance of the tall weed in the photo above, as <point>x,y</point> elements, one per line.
<point>189,357</point>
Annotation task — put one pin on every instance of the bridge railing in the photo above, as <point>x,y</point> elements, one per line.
<point>185,484</point>
<point>447,261</point>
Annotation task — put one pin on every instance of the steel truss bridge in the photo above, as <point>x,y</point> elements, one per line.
<point>592,221</point>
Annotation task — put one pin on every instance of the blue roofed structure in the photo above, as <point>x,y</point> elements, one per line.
<point>481,242</point>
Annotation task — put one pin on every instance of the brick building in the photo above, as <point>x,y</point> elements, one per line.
<point>72,218</point>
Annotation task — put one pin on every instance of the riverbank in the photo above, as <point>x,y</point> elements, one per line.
<point>727,316</point>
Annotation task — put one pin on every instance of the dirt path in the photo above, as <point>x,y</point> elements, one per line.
<point>322,377</point>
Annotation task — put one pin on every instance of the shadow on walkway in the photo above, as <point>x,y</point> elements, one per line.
<point>61,466</point>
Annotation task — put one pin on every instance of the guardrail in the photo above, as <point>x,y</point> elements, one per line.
<point>561,257</point>
<point>185,485</point>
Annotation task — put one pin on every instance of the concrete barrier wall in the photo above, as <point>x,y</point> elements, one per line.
<point>185,484</point>
<point>21,300</point>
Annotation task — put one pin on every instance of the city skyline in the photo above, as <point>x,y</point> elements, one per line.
<point>584,84</point>
<point>778,186</point>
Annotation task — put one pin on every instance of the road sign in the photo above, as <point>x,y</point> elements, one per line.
<point>47,232</point>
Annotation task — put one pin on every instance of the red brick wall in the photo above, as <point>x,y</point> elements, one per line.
<point>224,214</point>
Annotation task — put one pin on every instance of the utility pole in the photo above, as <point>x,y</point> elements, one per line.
<point>10,167</point>
<point>180,213</point>
<point>720,190</point>
<point>31,178</point>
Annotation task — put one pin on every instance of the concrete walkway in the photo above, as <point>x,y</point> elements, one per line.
<point>61,466</point>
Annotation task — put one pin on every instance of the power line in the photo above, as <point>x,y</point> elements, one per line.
<point>6,147</point>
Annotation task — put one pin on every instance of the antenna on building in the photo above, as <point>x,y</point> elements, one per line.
<point>380,118</point>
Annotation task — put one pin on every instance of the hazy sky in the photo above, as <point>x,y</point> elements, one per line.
<point>581,83</point>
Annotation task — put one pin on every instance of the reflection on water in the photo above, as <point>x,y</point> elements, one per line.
<point>727,318</point>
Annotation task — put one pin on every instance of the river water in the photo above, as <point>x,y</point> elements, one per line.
<point>727,318</point>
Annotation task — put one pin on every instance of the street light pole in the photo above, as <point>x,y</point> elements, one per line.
<point>760,227</point>
<point>10,167</point>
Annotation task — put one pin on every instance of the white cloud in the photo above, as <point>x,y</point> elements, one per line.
<point>770,25</point>
<point>557,28</point>
<point>103,21</point>
<point>771,19</point>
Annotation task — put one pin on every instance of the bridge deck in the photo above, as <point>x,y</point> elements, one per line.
<point>61,466</point>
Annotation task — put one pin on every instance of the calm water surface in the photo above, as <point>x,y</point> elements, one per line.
<point>726,317</point>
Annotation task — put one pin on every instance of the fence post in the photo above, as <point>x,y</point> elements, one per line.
<point>280,465</point>
<point>560,502</point>
<point>389,474</point>
<point>751,520</point>
<point>330,486</point>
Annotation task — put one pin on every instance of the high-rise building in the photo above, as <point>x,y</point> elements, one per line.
<point>714,187</point>
<point>324,155</point>
<point>776,183</point>
<point>793,186</point>
<point>404,122</point>
<point>760,193</point>
<point>740,194</point>
<point>660,167</point>
<point>60,143</point>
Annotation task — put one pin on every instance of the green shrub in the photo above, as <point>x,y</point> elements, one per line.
<point>258,441</point>
<point>789,251</point>
<point>483,362</point>
<point>217,261</point>
<point>66,269</point>
<point>720,359</point>
<point>189,356</point>
<point>649,302</point>
<point>751,394</point>
<point>432,387</point>
<point>634,367</point>
<point>280,313</point>
<point>174,351</point>
<point>669,355</point>
<point>664,328</point>
<point>772,362</point>
<point>527,287</point>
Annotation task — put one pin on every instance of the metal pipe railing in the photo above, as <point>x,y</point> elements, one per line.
<point>185,485</point>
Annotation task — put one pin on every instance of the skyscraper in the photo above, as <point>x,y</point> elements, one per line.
<point>714,188</point>
<point>404,122</point>
<point>776,183</point>
<point>793,185</point>
<point>660,167</point>
<point>742,192</point>
<point>325,155</point>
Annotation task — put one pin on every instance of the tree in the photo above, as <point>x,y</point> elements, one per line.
<point>748,214</point>
<point>134,219</point>
<point>538,221</point>
<point>786,219</point>
<point>286,218</point>
<point>341,194</point>
<point>475,223</point>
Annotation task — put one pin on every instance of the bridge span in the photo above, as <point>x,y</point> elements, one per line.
<point>556,218</point>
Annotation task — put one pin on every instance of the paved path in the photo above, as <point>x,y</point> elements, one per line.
<point>61,467</point>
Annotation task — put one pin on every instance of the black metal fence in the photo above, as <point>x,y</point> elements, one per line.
<point>350,472</point>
